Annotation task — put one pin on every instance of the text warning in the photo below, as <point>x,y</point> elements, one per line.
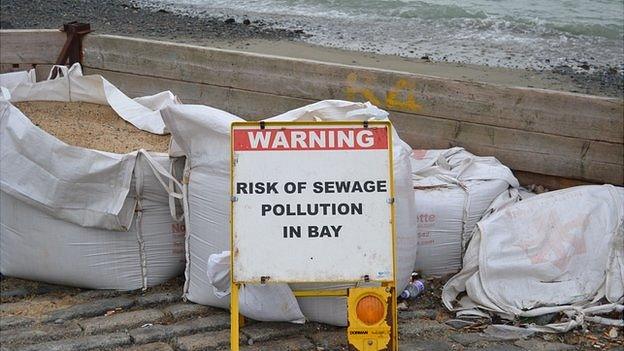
<point>311,202</point>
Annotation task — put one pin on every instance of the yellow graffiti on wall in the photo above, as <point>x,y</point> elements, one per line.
<point>400,96</point>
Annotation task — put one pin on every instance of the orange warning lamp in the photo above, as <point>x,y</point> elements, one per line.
<point>370,310</point>
<point>369,318</point>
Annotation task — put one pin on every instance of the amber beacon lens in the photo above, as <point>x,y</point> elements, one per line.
<point>370,310</point>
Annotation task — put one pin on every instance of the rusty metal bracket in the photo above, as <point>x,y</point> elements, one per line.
<point>72,49</point>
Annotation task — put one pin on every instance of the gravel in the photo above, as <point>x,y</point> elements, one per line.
<point>128,18</point>
<point>91,126</point>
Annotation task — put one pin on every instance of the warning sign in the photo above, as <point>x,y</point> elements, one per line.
<point>312,202</point>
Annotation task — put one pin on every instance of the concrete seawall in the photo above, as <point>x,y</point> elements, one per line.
<point>553,138</point>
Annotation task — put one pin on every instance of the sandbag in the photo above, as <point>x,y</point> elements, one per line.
<point>82,217</point>
<point>203,135</point>
<point>37,246</point>
<point>560,251</point>
<point>72,85</point>
<point>252,302</point>
<point>9,81</point>
<point>452,191</point>
<point>505,199</point>
<point>98,181</point>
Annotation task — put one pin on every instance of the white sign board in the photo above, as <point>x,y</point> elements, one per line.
<point>312,202</point>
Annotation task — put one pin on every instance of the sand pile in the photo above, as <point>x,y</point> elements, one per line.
<point>91,126</point>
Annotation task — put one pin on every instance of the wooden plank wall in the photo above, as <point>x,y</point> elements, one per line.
<point>554,138</point>
<point>30,48</point>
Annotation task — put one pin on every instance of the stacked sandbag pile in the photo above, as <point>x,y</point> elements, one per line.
<point>203,135</point>
<point>453,189</point>
<point>559,253</point>
<point>82,202</point>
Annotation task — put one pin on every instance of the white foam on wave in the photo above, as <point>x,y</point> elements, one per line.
<point>511,33</point>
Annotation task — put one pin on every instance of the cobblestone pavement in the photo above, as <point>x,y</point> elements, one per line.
<point>37,316</point>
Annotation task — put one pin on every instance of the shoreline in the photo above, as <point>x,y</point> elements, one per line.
<point>255,35</point>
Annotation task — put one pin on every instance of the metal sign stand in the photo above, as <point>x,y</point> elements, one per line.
<point>388,285</point>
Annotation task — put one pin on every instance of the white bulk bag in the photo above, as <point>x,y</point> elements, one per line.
<point>203,133</point>
<point>505,199</point>
<point>452,190</point>
<point>9,81</point>
<point>82,217</point>
<point>561,251</point>
<point>253,301</point>
<point>71,85</point>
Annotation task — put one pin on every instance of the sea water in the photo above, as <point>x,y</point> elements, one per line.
<point>508,33</point>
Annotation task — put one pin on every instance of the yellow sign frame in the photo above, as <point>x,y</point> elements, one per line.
<point>236,320</point>
<point>367,337</point>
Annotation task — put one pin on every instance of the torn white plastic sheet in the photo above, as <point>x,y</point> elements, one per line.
<point>83,217</point>
<point>452,191</point>
<point>203,134</point>
<point>561,251</point>
<point>218,271</point>
<point>253,301</point>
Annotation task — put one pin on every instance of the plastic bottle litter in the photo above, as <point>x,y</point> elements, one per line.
<point>414,288</point>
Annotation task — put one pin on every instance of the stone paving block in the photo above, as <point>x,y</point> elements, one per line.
<point>14,321</point>
<point>418,327</point>
<point>291,344</point>
<point>539,345</point>
<point>158,298</point>
<point>98,294</point>
<point>14,293</point>
<point>43,288</point>
<point>38,333</point>
<point>89,309</point>
<point>427,345</point>
<point>14,307</point>
<point>268,331</point>
<point>417,314</point>
<point>39,289</point>
<point>186,310</point>
<point>103,342</point>
<point>153,333</point>
<point>459,323</point>
<point>120,321</point>
<point>330,340</point>
<point>503,332</point>
<point>155,346</point>
<point>473,339</point>
<point>160,332</point>
<point>206,341</point>
<point>496,347</point>
<point>261,331</point>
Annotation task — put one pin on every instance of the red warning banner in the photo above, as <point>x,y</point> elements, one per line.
<point>300,139</point>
